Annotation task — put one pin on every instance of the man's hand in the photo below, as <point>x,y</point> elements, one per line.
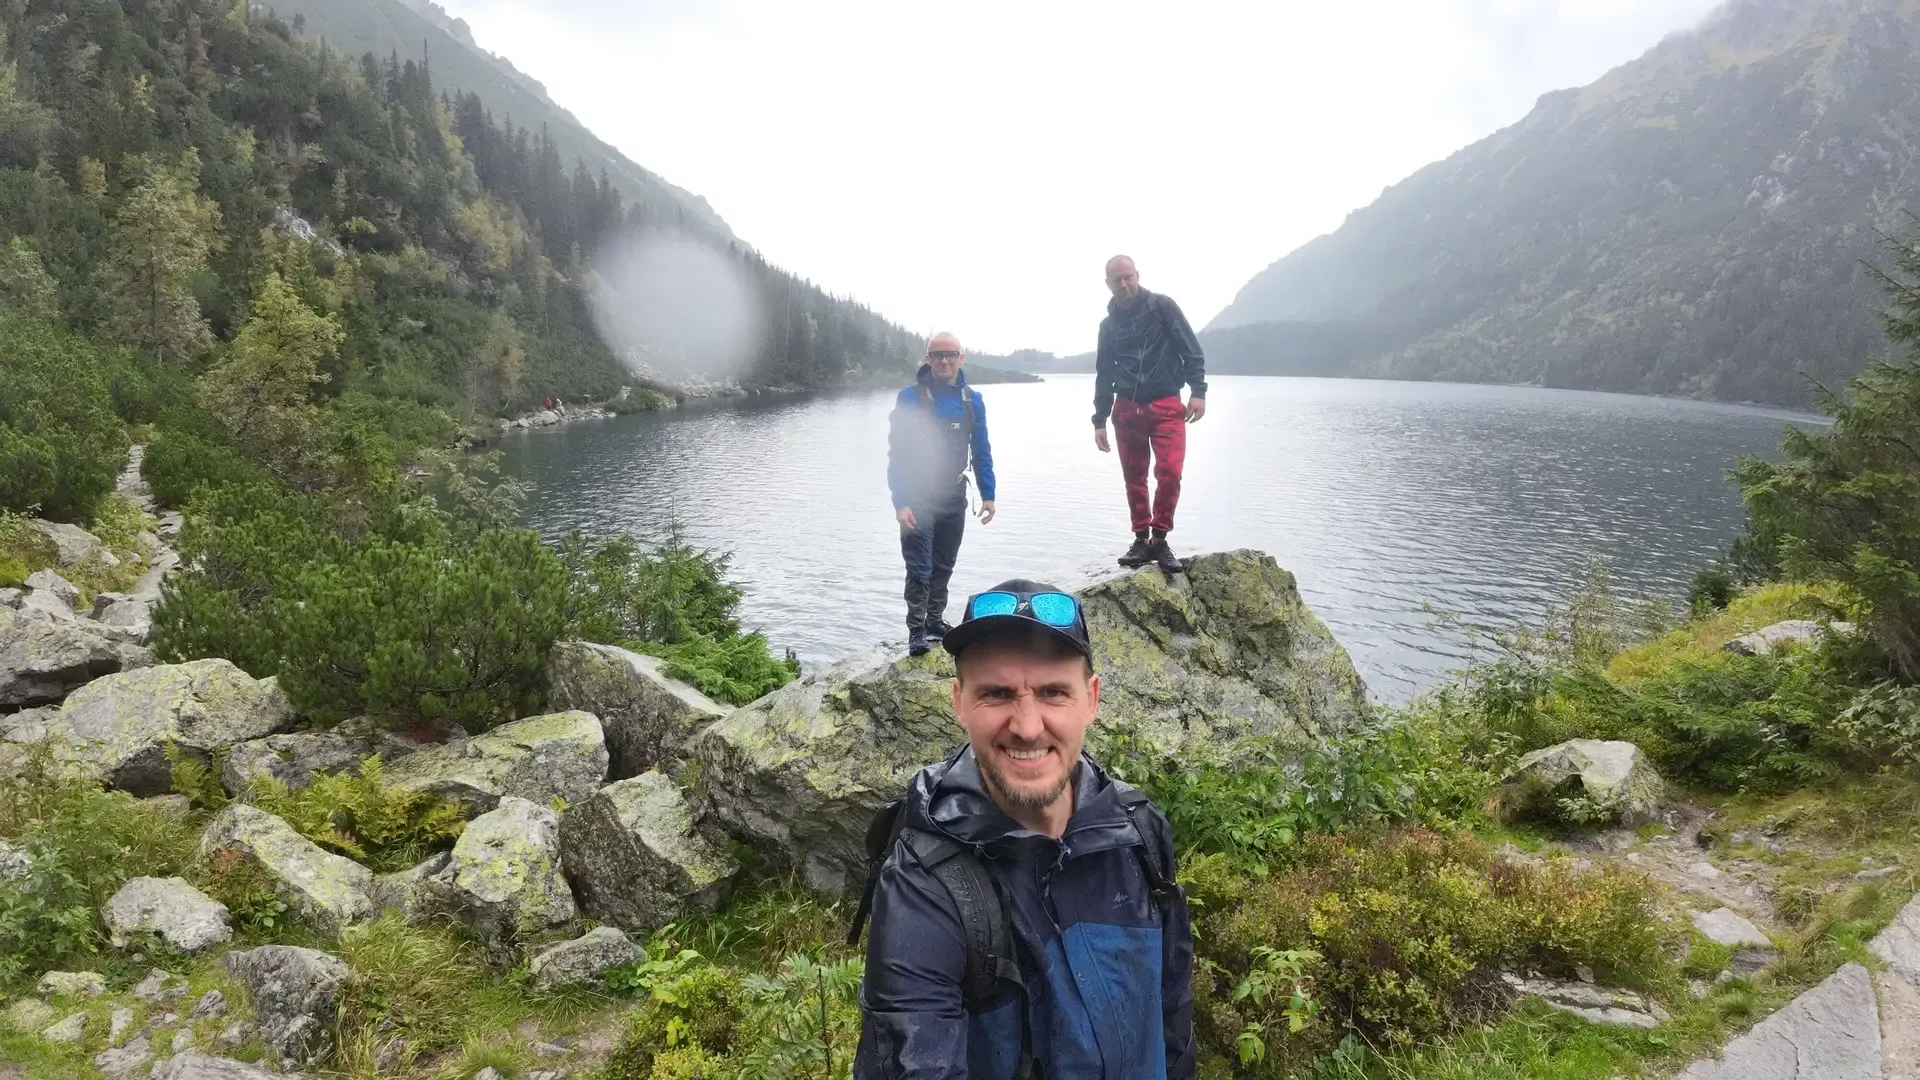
<point>986,511</point>
<point>907,521</point>
<point>1100,439</point>
<point>1196,408</point>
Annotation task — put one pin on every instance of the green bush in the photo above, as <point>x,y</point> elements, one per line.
<point>83,843</point>
<point>1400,936</point>
<point>61,446</point>
<point>179,463</point>
<point>362,817</point>
<point>247,890</point>
<point>675,602</point>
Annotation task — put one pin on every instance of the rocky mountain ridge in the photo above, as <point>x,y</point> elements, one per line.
<point>1696,222</point>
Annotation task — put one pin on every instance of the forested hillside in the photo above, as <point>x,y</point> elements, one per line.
<point>161,159</point>
<point>1696,222</point>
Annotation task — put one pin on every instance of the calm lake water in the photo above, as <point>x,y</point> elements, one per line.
<point>1389,501</point>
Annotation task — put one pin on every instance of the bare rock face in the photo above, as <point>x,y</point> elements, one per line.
<point>43,658</point>
<point>295,995</point>
<point>1193,666</point>
<point>1831,1032</point>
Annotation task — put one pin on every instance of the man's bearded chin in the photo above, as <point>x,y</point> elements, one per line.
<point>1021,800</point>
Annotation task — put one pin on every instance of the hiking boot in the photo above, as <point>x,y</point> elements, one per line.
<point>937,630</point>
<point>917,644</point>
<point>1140,554</point>
<point>1163,557</point>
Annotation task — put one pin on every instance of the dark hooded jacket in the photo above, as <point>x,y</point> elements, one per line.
<point>1105,967</point>
<point>928,449</point>
<point>1147,351</point>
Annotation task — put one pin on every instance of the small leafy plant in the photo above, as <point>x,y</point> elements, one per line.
<point>363,817</point>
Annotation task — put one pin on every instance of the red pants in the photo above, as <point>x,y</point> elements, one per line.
<point>1155,431</point>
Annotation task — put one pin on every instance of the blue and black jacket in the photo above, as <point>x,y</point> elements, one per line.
<point>1105,965</point>
<point>931,440</point>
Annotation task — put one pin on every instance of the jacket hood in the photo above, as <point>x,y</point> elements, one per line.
<point>950,799</point>
<point>925,375</point>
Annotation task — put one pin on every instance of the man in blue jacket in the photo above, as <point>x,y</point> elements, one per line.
<point>1020,830</point>
<point>938,424</point>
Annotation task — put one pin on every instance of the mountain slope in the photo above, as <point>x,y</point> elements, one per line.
<point>1695,222</point>
<point>387,27</point>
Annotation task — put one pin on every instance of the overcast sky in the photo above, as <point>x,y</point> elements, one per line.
<point>970,166</point>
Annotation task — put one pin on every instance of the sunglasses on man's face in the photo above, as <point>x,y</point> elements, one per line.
<point>944,354</point>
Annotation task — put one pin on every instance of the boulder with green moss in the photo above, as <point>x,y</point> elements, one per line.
<point>542,758</point>
<point>1193,664</point>
<point>1584,782</point>
<point>324,889</point>
<point>295,759</point>
<point>504,881</point>
<point>636,858</point>
<point>119,728</point>
<point>649,718</point>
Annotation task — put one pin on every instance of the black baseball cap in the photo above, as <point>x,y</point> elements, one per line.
<point>1021,621</point>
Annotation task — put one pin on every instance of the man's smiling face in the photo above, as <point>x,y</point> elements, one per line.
<point>1026,711</point>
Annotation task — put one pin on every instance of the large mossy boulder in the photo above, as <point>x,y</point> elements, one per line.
<point>504,881</point>
<point>1196,664</point>
<point>119,728</point>
<point>635,857</point>
<point>542,758</point>
<point>43,659</point>
<point>1584,782</point>
<point>649,718</point>
<point>327,890</point>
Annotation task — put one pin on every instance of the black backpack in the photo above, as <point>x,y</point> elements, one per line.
<point>991,957</point>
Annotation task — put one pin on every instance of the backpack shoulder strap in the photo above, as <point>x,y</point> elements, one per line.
<point>1156,838</point>
<point>925,395</point>
<point>882,831</point>
<point>983,914</point>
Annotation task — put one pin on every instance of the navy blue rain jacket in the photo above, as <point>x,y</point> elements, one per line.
<point>927,451</point>
<point>1106,968</point>
<point>1147,351</point>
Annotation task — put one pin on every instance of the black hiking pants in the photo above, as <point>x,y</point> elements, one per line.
<point>930,552</point>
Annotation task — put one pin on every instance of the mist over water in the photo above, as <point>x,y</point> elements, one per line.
<point>676,306</point>
<point>1382,498</point>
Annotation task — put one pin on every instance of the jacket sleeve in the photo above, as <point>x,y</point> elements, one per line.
<point>982,449</point>
<point>1102,378</point>
<point>912,1023</point>
<point>1193,363</point>
<point>1176,978</point>
<point>897,435</point>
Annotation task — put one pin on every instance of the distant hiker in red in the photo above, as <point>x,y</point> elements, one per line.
<point>1147,352</point>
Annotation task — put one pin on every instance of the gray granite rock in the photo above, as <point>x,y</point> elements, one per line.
<point>1793,632</point>
<point>1594,1004</point>
<point>295,995</point>
<point>126,1061</point>
<point>1724,926</point>
<point>1831,1032</point>
<point>539,759</point>
<point>72,984</point>
<point>584,960</point>
<point>185,917</point>
<point>70,1030</point>
<point>192,1066</point>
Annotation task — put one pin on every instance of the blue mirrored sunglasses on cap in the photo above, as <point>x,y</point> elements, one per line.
<point>1053,608</point>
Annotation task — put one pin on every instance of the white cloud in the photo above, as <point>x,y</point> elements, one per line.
<point>972,166</point>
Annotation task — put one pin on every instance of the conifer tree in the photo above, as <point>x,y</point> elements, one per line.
<point>163,234</point>
<point>261,391</point>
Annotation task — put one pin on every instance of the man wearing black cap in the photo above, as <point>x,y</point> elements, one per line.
<point>1025,920</point>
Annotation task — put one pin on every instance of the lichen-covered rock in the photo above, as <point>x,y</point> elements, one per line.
<point>49,582</point>
<point>70,984</point>
<point>72,545</point>
<point>1195,665</point>
<point>648,717</point>
<point>191,1066</point>
<point>1595,1004</point>
<point>15,863</point>
<point>70,1030</point>
<point>26,1015</point>
<point>410,892</point>
<point>1793,632</point>
<point>542,758</point>
<point>43,659</point>
<point>295,994</point>
<point>1613,781</point>
<point>634,855</point>
<point>584,960</point>
<point>321,887</point>
<point>293,759</point>
<point>118,728</point>
<point>183,916</point>
<point>27,725</point>
<point>504,879</point>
